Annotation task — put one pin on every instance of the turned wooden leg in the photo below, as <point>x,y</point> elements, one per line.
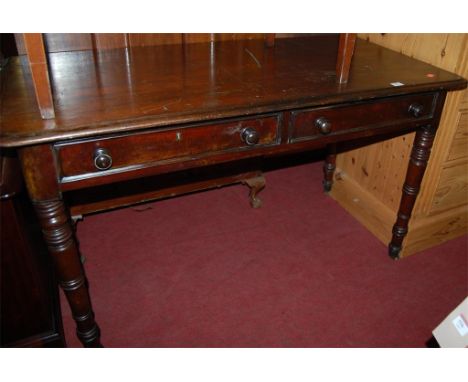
<point>329,168</point>
<point>60,240</point>
<point>40,176</point>
<point>256,185</point>
<point>414,175</point>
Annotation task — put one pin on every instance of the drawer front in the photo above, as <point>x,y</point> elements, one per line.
<point>164,146</point>
<point>313,123</point>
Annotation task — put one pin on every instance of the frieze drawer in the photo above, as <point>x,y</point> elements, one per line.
<point>133,151</point>
<point>313,123</point>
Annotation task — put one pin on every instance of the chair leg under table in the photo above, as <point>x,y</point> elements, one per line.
<point>329,167</point>
<point>256,184</point>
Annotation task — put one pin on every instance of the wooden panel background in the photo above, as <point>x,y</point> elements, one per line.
<point>453,187</point>
<point>459,147</point>
<point>370,178</point>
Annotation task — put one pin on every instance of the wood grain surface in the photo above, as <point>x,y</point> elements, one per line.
<point>122,90</point>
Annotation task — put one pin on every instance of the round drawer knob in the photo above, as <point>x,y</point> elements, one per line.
<point>102,159</point>
<point>416,109</point>
<point>250,136</point>
<point>323,125</point>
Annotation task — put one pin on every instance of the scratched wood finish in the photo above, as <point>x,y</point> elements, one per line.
<point>378,170</point>
<point>157,86</point>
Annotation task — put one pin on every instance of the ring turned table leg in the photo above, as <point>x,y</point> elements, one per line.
<point>417,166</point>
<point>329,168</point>
<point>41,181</point>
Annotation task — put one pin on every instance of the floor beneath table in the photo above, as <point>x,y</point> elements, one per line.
<point>206,270</point>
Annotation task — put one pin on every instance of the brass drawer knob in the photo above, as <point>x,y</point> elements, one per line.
<point>323,125</point>
<point>416,109</point>
<point>102,159</point>
<point>250,136</point>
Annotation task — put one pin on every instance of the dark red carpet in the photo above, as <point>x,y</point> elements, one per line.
<point>206,270</point>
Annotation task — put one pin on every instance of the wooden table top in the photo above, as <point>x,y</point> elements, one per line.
<point>98,93</point>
